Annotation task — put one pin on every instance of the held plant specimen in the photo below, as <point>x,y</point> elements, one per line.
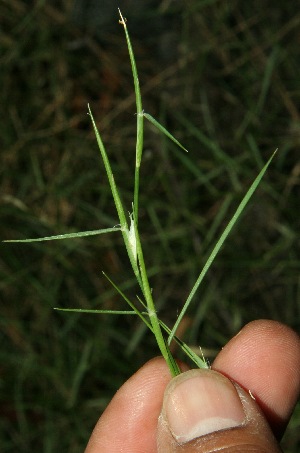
<point>128,226</point>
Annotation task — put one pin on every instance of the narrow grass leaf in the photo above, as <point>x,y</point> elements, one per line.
<point>163,130</point>
<point>80,234</point>
<point>101,312</point>
<point>113,186</point>
<point>140,120</point>
<point>138,97</point>
<point>219,244</point>
<point>117,199</point>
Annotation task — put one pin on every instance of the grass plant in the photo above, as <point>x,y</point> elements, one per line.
<point>129,228</point>
<point>223,77</point>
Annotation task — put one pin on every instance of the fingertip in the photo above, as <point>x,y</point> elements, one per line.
<point>203,412</point>
<point>264,357</point>
<point>129,422</point>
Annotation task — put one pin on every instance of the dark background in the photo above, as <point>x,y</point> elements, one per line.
<point>224,77</point>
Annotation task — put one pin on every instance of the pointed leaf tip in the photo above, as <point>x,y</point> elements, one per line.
<point>163,130</point>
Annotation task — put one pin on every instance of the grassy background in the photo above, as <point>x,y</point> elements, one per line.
<point>224,78</point>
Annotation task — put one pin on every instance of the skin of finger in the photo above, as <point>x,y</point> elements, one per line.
<point>254,436</point>
<point>270,350</point>
<point>129,423</point>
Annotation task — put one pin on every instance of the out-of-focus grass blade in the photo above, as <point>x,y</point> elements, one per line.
<point>217,221</point>
<point>271,64</point>
<point>81,369</point>
<point>163,130</point>
<point>219,244</point>
<point>80,234</point>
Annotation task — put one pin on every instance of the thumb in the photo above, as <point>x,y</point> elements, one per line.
<point>204,412</point>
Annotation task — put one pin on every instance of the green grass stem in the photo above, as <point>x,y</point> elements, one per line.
<point>174,369</point>
<point>134,232</point>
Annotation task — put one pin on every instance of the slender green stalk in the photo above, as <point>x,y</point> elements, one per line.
<point>166,353</point>
<point>134,233</point>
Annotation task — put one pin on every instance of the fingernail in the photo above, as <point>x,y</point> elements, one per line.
<point>200,402</point>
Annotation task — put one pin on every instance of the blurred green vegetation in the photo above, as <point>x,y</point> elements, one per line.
<point>224,77</point>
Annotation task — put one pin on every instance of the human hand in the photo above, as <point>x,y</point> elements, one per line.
<point>201,411</point>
